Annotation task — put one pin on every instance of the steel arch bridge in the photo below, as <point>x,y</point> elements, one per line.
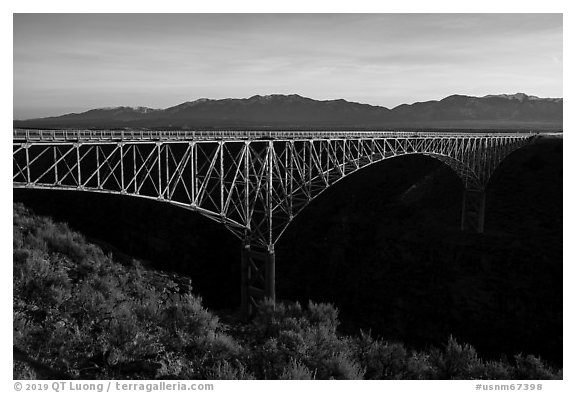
<point>253,182</point>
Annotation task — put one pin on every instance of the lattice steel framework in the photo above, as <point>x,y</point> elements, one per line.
<point>255,183</point>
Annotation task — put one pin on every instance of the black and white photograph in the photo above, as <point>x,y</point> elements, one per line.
<point>287,196</point>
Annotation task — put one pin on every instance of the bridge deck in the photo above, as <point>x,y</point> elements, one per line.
<point>25,135</point>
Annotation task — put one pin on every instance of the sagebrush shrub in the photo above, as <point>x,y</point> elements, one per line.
<point>225,370</point>
<point>295,370</point>
<point>456,361</point>
<point>418,366</point>
<point>382,360</point>
<point>531,367</point>
<point>338,367</point>
<point>322,314</point>
<point>496,370</point>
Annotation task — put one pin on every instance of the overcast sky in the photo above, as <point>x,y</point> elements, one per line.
<point>72,63</point>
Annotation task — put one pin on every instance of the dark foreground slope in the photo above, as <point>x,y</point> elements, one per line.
<point>384,246</point>
<point>78,313</point>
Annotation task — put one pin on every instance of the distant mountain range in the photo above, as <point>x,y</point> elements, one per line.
<point>295,112</point>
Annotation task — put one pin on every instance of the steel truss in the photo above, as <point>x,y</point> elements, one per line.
<point>254,183</point>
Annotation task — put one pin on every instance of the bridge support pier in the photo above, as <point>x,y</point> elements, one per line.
<point>473,210</point>
<point>258,277</point>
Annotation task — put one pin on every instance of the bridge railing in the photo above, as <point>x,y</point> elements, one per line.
<point>36,135</point>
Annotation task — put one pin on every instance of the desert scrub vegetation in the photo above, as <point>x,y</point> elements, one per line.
<point>77,313</point>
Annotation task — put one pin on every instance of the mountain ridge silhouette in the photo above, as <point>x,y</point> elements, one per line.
<point>294,111</point>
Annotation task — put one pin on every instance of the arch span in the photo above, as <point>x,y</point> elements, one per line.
<point>463,172</point>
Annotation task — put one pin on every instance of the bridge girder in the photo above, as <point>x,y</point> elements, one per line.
<point>254,187</point>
